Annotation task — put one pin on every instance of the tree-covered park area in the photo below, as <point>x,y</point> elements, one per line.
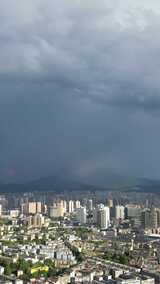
<point>117,257</point>
<point>82,232</point>
<point>28,269</point>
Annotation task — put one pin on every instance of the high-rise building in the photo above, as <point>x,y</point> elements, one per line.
<point>32,207</point>
<point>90,204</point>
<point>158,217</point>
<point>77,204</point>
<point>4,201</point>
<point>132,211</point>
<point>24,208</point>
<point>146,218</point>
<point>44,209</point>
<point>57,210</point>
<point>154,218</point>
<point>38,207</point>
<point>71,206</point>
<point>150,218</point>
<point>36,220</point>
<point>119,212</point>
<point>104,217</point>
<point>64,205</point>
<point>109,203</point>
<point>96,213</point>
<point>0,209</point>
<point>81,215</point>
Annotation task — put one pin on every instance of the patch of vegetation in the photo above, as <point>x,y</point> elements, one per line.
<point>116,257</point>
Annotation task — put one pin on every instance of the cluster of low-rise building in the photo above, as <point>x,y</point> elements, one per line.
<point>99,273</point>
<point>56,251</point>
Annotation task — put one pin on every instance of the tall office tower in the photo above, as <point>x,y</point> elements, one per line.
<point>146,218</point>
<point>90,204</point>
<point>154,218</point>
<point>71,206</point>
<point>81,215</point>
<point>77,204</point>
<point>104,217</point>
<point>119,212</point>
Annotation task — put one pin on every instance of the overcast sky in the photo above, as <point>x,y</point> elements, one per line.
<point>79,88</point>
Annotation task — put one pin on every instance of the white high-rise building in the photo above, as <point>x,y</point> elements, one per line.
<point>82,215</point>
<point>104,217</point>
<point>77,204</point>
<point>71,206</point>
<point>119,212</point>
<point>64,204</point>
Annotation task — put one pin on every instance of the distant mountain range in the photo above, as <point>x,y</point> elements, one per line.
<point>52,183</point>
<point>59,184</point>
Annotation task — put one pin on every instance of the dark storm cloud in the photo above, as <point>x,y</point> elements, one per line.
<point>108,51</point>
<point>79,87</point>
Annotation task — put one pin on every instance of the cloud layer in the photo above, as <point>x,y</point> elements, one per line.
<point>79,87</point>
